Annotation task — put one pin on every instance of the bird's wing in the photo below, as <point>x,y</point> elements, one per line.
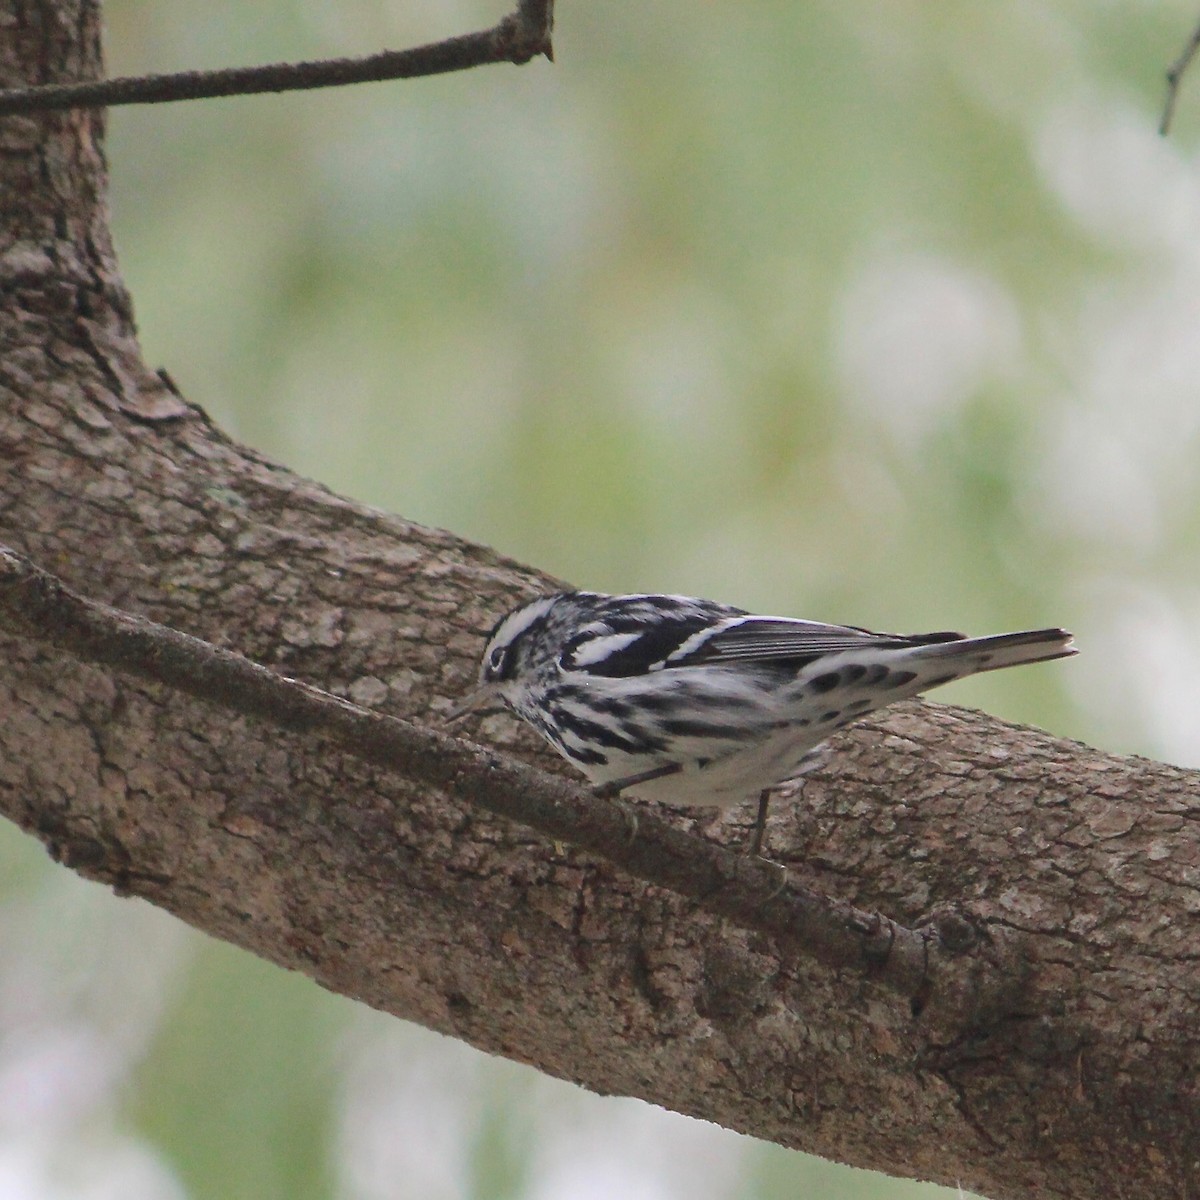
<point>761,639</point>
<point>620,648</point>
<point>695,639</point>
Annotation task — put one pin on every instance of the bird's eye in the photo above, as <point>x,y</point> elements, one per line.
<point>496,659</point>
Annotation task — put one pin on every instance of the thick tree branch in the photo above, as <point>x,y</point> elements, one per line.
<point>749,892</point>
<point>522,35</point>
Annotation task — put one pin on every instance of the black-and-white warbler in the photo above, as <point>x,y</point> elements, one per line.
<point>690,702</point>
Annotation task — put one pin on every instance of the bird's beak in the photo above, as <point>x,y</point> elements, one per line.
<point>482,700</point>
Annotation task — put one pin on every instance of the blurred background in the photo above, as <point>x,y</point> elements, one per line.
<point>886,314</point>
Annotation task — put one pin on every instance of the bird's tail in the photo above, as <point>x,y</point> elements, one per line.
<point>971,656</point>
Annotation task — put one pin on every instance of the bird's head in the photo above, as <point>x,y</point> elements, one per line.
<point>522,644</point>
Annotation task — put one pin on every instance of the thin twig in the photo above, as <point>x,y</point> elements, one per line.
<point>1175,73</point>
<point>522,35</point>
<point>749,892</point>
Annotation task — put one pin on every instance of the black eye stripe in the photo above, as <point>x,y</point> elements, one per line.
<point>499,662</point>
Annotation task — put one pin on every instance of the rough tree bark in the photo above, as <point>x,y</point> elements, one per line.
<point>1081,1083</point>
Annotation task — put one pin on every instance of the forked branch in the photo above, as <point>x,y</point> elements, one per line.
<point>1175,74</point>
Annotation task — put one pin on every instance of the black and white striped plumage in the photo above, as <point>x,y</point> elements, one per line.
<point>717,704</point>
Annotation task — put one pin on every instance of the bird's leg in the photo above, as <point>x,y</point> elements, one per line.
<point>760,825</point>
<point>614,787</point>
<point>814,760</point>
